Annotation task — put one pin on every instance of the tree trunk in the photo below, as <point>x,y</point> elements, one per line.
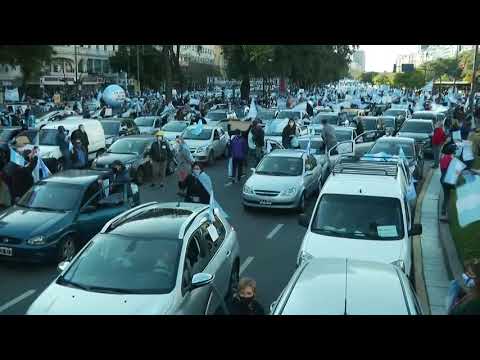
<point>245,88</point>
<point>168,75</point>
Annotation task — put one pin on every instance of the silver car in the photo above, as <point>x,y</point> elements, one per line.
<point>208,145</point>
<point>154,259</point>
<point>335,286</point>
<point>283,179</point>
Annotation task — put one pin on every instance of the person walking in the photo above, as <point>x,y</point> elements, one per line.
<point>79,156</point>
<point>447,157</point>
<point>239,150</point>
<point>160,154</point>
<point>63,144</point>
<point>259,138</point>
<point>244,302</point>
<point>81,135</point>
<point>328,135</point>
<point>438,139</point>
<point>184,160</point>
<point>251,141</point>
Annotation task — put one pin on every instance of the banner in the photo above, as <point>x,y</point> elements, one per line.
<point>453,172</point>
<point>468,202</point>
<point>12,95</point>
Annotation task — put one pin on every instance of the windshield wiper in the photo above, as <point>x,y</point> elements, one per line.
<point>124,153</point>
<point>42,208</point>
<point>61,280</point>
<point>110,290</point>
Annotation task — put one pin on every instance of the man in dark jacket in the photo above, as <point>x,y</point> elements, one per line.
<point>21,176</point>
<point>63,144</point>
<point>81,135</point>
<point>239,153</point>
<point>80,156</point>
<point>160,153</point>
<point>259,139</point>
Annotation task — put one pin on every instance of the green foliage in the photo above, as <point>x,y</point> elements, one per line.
<point>368,76</point>
<point>409,80</point>
<point>383,79</point>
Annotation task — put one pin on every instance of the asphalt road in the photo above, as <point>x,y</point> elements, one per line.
<point>269,243</point>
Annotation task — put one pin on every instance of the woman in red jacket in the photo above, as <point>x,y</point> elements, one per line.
<point>447,157</point>
<point>438,139</point>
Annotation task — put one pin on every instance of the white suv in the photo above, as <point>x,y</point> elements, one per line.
<point>362,213</point>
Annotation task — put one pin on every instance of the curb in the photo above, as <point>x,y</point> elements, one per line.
<point>420,285</point>
<point>450,253</point>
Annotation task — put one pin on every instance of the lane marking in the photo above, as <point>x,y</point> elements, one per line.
<point>247,262</point>
<point>274,231</point>
<point>15,301</point>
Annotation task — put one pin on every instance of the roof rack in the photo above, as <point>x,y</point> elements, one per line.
<point>366,167</point>
<point>120,218</point>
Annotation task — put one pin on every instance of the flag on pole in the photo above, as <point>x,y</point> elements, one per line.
<point>41,171</point>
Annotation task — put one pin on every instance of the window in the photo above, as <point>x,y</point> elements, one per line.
<point>195,259</point>
<point>90,66</point>
<point>312,161</point>
<point>207,241</point>
<point>97,66</point>
<point>106,66</point>
<point>92,190</point>
<point>216,136</point>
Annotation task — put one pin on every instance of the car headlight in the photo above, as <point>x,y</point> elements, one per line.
<point>304,256</point>
<point>37,240</point>
<point>248,190</point>
<point>290,191</point>
<point>400,264</point>
<point>201,149</point>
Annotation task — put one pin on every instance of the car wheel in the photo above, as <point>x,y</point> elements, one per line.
<point>67,249</point>
<point>301,204</point>
<point>140,176</point>
<point>211,158</point>
<point>234,280</point>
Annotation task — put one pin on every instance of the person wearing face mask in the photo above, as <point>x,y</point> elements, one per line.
<point>244,302</point>
<point>195,191</point>
<point>289,132</point>
<point>159,153</point>
<point>79,156</point>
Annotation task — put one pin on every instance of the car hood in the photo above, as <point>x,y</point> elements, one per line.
<point>170,135</point>
<point>64,300</point>
<point>273,183</point>
<point>321,246</point>
<point>109,158</point>
<point>21,223</point>
<point>416,136</point>
<point>193,144</point>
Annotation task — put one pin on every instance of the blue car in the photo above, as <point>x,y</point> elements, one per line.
<point>58,215</point>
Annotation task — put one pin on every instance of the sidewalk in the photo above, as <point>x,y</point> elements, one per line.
<point>434,264</point>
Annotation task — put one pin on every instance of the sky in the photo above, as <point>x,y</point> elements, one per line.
<point>382,57</point>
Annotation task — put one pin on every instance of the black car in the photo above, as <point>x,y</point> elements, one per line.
<point>134,152</point>
<point>115,128</point>
<point>7,134</point>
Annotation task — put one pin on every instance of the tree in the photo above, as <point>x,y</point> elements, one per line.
<point>409,80</point>
<point>368,76</point>
<point>383,79</point>
<point>30,58</point>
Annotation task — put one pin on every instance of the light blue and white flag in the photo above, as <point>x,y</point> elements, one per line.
<point>207,184</point>
<point>16,158</point>
<point>197,129</point>
<point>468,202</point>
<point>41,171</point>
<point>252,112</point>
<point>309,145</point>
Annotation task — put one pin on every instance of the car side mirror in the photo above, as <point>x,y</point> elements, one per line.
<point>200,280</point>
<point>273,306</point>
<point>62,266</point>
<point>253,170</point>
<point>303,220</point>
<point>88,209</point>
<point>415,230</point>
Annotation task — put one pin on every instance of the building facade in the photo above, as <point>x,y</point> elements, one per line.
<point>433,52</point>
<point>358,61</point>
<point>412,58</point>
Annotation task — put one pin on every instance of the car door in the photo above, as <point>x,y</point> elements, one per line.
<point>100,208</point>
<point>196,301</point>
<point>317,173</point>
<point>216,143</point>
<point>307,175</point>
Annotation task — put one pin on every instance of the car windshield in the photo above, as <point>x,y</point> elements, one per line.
<point>424,127</point>
<point>6,134</point>
<point>110,127</point>
<point>48,137</point>
<point>191,134</point>
<point>392,148</point>
<point>46,116</point>
<point>388,122</point>
<point>129,146</point>
<point>124,265</point>
<point>393,112</point>
<point>266,115</point>
<point>289,115</point>
<point>144,121</point>
<point>343,135</point>
<point>280,166</point>
<point>51,196</point>
<point>427,116</point>
<point>359,217</point>
<point>331,119</point>
<point>175,126</point>
<point>275,127</point>
<point>370,124</point>
<point>216,116</point>
<point>316,146</point>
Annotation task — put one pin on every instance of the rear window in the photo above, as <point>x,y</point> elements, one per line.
<point>417,127</point>
<point>359,217</point>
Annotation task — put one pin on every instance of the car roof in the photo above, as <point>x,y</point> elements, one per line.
<point>419,120</point>
<point>77,177</point>
<point>396,139</point>
<point>287,153</point>
<point>69,121</point>
<point>140,137</point>
<point>346,286</point>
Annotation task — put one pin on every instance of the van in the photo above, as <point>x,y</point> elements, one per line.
<point>47,143</point>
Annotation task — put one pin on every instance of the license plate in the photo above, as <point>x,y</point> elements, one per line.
<point>265,202</point>
<point>6,251</point>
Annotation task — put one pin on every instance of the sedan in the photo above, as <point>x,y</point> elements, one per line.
<point>173,129</point>
<point>283,179</point>
<point>156,259</point>
<point>419,130</point>
<point>148,125</point>
<point>208,144</point>
<point>59,214</point>
<point>134,153</point>
<point>335,286</point>
<point>117,128</point>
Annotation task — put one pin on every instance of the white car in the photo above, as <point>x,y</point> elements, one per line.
<point>362,213</point>
<point>172,129</point>
<point>208,145</point>
<point>148,125</point>
<point>339,286</point>
<point>155,259</point>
